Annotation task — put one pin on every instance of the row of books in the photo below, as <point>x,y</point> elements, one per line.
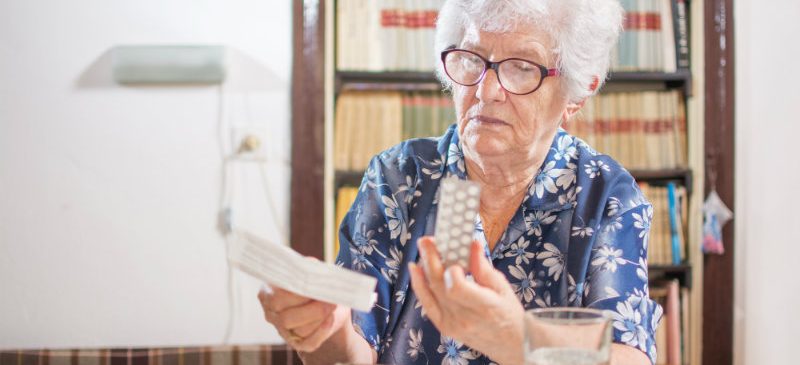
<point>666,243</point>
<point>641,130</point>
<point>666,239</point>
<point>369,122</point>
<point>672,343</point>
<point>655,37</point>
<point>398,35</point>
<point>386,35</point>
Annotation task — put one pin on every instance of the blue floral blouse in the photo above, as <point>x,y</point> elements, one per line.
<point>579,238</point>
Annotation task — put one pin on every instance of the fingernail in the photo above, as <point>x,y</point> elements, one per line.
<point>266,288</point>
<point>448,278</point>
<point>421,249</point>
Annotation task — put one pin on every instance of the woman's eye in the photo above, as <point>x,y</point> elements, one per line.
<point>471,63</point>
<point>523,67</point>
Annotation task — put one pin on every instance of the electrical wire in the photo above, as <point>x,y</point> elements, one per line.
<point>231,158</point>
<point>225,214</point>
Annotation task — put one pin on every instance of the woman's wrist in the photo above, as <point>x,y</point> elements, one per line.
<point>512,352</point>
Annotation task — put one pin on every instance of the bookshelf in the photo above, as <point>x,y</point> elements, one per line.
<point>683,176</point>
<point>625,87</point>
<point>315,179</point>
<point>418,80</point>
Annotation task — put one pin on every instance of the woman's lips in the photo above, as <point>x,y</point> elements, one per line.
<point>484,120</point>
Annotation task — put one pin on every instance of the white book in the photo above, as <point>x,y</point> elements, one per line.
<point>388,33</point>
<point>373,44</point>
<point>642,41</point>
<point>345,34</point>
<point>655,35</point>
<point>341,132</point>
<point>410,35</point>
<point>341,16</point>
<point>668,37</point>
<point>419,31</point>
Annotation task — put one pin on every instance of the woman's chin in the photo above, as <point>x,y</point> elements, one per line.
<point>485,146</point>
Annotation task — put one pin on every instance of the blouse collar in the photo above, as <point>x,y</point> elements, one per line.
<point>553,187</point>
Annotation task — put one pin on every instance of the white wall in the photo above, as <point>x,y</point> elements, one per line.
<point>110,194</point>
<point>767,318</point>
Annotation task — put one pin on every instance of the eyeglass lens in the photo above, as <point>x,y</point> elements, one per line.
<point>516,76</point>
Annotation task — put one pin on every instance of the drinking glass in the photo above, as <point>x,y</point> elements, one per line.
<point>567,336</point>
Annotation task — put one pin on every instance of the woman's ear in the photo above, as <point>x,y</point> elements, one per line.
<point>595,83</point>
<point>571,109</point>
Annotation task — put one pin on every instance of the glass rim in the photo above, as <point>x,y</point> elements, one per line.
<point>599,316</point>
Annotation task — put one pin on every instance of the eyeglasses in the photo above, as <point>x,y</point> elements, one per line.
<point>515,75</point>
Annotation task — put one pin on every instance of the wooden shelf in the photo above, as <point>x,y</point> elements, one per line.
<point>426,81</point>
<point>386,81</point>
<point>681,79</point>
<point>684,176</point>
<point>347,178</point>
<point>682,272</point>
<point>681,175</point>
<point>679,76</point>
<point>387,76</point>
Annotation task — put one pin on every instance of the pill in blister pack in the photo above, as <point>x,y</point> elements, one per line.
<point>455,219</point>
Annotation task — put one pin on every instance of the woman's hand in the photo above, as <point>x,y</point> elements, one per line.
<point>485,315</point>
<point>304,323</point>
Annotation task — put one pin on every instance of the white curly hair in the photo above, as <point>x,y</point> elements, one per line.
<point>584,33</point>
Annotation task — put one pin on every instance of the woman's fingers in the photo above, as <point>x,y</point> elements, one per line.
<point>281,299</point>
<point>483,271</point>
<point>300,321</point>
<point>312,340</point>
<point>307,329</point>
<point>424,294</point>
<point>431,263</point>
<point>306,314</point>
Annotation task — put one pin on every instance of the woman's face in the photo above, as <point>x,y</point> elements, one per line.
<point>494,122</point>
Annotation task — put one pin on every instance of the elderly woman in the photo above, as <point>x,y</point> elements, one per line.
<point>558,225</point>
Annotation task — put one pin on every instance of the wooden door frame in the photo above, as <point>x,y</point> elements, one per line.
<point>720,161</point>
<point>307,210</point>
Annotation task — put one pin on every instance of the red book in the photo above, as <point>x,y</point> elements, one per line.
<point>673,324</point>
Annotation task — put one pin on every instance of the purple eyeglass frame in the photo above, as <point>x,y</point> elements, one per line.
<point>496,66</point>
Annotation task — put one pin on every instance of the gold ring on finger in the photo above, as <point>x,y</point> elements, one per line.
<point>294,337</point>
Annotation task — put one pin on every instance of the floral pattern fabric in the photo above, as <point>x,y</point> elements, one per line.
<point>578,239</point>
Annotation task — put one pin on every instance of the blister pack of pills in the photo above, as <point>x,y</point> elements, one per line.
<point>455,219</point>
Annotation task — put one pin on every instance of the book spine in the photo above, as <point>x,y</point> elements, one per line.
<point>673,220</point>
<point>663,220</point>
<point>408,120</point>
<point>673,324</point>
<point>681,26</point>
<point>668,43</point>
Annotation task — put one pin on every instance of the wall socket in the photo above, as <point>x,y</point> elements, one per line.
<point>249,142</point>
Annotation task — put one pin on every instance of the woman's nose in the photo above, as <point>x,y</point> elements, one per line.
<point>489,89</point>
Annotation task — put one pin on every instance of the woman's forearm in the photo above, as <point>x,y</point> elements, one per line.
<point>346,345</point>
